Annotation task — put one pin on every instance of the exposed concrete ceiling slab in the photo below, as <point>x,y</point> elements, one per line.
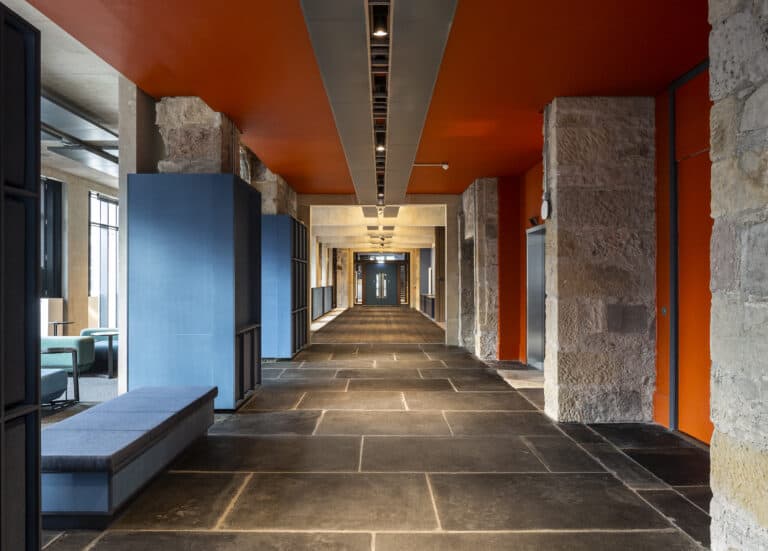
<point>73,73</point>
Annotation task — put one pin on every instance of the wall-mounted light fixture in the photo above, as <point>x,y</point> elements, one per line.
<point>444,166</point>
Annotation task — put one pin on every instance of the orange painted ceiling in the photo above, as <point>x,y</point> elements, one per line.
<point>251,59</point>
<point>506,59</point>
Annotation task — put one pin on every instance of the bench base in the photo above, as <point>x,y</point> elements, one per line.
<point>92,499</point>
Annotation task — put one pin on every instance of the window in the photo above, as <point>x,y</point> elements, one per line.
<point>50,238</point>
<point>381,285</point>
<point>102,261</point>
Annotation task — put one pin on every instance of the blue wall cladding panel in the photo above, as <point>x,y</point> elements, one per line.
<point>276,282</point>
<point>181,282</point>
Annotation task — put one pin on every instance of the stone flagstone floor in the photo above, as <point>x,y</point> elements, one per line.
<point>412,447</point>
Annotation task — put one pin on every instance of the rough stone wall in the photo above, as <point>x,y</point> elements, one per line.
<point>467,282</point>
<point>600,260</point>
<point>481,226</point>
<point>738,48</point>
<point>197,139</point>
<point>277,196</point>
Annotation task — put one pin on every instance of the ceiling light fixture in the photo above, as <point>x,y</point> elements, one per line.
<point>381,147</point>
<point>380,22</point>
<point>444,166</point>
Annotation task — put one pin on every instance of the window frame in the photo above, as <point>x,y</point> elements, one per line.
<point>51,230</point>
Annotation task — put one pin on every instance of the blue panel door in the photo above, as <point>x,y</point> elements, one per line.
<point>381,285</point>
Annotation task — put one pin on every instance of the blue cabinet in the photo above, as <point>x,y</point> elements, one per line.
<point>194,283</point>
<point>284,268</point>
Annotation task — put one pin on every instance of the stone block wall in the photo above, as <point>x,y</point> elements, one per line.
<point>277,196</point>
<point>467,283</point>
<point>197,139</point>
<point>480,207</point>
<point>600,260</point>
<point>738,48</point>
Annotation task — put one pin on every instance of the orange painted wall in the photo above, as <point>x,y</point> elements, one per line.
<point>694,230</point>
<point>510,273</point>
<point>519,200</point>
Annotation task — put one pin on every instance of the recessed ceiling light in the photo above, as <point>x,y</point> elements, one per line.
<point>380,148</point>
<point>380,32</point>
<point>444,166</point>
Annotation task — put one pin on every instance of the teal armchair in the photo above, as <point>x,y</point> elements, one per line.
<point>101,346</point>
<point>85,353</point>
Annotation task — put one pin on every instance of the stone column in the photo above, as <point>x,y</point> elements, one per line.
<point>140,149</point>
<point>197,138</point>
<point>449,286</point>
<point>467,280</point>
<point>438,268</point>
<point>739,274</point>
<point>342,279</point>
<point>481,226</point>
<point>600,260</point>
<point>277,197</point>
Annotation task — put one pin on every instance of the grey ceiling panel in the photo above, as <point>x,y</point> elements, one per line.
<point>419,33</point>
<point>391,212</point>
<point>338,31</point>
<point>370,212</point>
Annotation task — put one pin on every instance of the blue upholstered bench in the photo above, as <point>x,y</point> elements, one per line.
<point>94,462</point>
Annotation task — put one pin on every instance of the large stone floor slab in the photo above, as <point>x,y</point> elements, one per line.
<point>495,423</point>
<point>440,454</point>
<point>229,541</point>
<point>353,400</point>
<point>272,453</point>
<point>334,502</point>
<point>540,502</point>
<point>472,401</point>
<point>568,541</point>
<point>268,422</point>
<point>393,423</point>
<point>400,384</point>
<point>182,501</point>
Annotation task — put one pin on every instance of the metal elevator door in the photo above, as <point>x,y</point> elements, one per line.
<point>536,293</point>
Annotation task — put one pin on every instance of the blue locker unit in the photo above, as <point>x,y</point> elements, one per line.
<point>284,286</point>
<point>194,288</point>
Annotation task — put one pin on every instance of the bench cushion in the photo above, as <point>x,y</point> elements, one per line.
<point>109,435</point>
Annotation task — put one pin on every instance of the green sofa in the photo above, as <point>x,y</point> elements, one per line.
<point>85,353</point>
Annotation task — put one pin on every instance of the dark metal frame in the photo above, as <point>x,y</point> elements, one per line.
<point>674,283</point>
<point>27,193</point>
<point>52,218</point>
<point>92,224</point>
